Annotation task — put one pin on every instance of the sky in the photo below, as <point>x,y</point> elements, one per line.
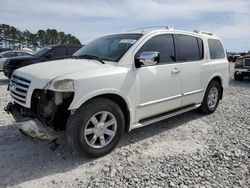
<point>89,19</point>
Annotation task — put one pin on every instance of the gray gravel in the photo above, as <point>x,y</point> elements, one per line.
<point>190,150</point>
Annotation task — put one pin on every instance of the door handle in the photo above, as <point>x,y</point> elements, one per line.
<point>175,71</point>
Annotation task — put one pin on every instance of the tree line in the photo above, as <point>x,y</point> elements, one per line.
<point>13,38</point>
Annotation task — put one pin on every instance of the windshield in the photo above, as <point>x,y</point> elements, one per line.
<point>109,48</point>
<point>42,51</point>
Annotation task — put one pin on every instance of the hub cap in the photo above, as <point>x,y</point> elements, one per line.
<point>212,97</point>
<point>100,130</point>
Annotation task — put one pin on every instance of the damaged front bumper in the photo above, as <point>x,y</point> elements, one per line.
<point>32,127</point>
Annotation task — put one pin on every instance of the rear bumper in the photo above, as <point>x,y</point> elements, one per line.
<point>32,127</point>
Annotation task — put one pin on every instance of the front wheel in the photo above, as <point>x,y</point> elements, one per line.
<point>96,128</point>
<point>211,98</point>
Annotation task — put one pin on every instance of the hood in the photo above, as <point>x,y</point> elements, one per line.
<point>54,69</point>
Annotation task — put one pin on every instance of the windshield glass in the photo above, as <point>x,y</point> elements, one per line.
<point>109,48</point>
<point>42,51</point>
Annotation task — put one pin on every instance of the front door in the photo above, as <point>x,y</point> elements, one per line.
<point>158,86</point>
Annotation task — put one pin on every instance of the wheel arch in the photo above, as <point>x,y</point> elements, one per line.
<point>120,100</point>
<point>218,79</point>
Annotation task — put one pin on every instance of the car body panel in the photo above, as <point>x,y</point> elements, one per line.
<point>147,91</point>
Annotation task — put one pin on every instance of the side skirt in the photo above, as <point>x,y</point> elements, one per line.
<point>163,116</point>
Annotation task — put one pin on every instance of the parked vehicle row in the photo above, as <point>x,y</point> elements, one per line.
<point>118,83</point>
<point>48,53</point>
<point>4,56</point>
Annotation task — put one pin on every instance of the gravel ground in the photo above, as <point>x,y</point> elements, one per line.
<point>189,150</point>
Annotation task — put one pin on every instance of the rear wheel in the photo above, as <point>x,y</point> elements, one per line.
<point>211,98</point>
<point>96,128</point>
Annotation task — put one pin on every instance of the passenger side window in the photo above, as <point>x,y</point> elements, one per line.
<point>161,43</point>
<point>190,48</point>
<point>215,49</point>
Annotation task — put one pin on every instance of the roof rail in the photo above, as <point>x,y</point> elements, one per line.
<point>144,29</point>
<point>203,32</point>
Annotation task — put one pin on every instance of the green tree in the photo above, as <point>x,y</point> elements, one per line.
<point>11,37</point>
<point>62,38</point>
<point>41,34</point>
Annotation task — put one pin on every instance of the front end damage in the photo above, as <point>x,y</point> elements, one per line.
<point>47,118</point>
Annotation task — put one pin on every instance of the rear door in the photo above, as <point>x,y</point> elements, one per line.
<point>191,57</point>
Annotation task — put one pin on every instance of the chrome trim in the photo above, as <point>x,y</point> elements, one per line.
<point>17,97</point>
<point>157,119</point>
<point>170,98</point>
<point>18,92</point>
<point>159,100</point>
<point>22,88</point>
<point>149,58</point>
<point>18,88</point>
<point>193,92</point>
<point>19,81</point>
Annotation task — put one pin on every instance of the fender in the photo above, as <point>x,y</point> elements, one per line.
<point>216,75</point>
<point>76,103</point>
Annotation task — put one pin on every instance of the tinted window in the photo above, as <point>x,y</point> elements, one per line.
<point>58,51</point>
<point>247,62</point>
<point>160,43</point>
<point>201,49</point>
<point>42,51</point>
<point>9,54</point>
<point>215,49</point>
<point>22,54</point>
<point>191,48</point>
<point>72,50</point>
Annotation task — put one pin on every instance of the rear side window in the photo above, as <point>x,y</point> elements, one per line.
<point>72,50</point>
<point>190,48</point>
<point>215,49</point>
<point>22,54</point>
<point>9,54</point>
<point>58,51</point>
<point>160,43</point>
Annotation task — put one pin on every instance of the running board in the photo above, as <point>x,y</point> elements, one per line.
<point>163,116</point>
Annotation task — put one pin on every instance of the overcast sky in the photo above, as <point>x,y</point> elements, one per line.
<point>88,19</point>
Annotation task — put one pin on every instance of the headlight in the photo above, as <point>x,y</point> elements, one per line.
<point>64,85</point>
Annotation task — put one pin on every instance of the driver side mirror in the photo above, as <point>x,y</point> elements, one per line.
<point>148,58</point>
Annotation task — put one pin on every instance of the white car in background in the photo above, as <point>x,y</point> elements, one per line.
<point>118,83</point>
<point>14,53</point>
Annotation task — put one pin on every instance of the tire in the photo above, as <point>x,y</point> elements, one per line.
<point>238,77</point>
<point>207,107</point>
<point>86,119</point>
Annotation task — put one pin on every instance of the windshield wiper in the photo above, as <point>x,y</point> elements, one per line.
<point>90,57</point>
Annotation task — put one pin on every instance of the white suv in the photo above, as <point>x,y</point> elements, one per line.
<point>118,83</point>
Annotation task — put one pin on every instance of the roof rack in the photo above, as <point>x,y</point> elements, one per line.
<point>203,32</point>
<point>144,29</point>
